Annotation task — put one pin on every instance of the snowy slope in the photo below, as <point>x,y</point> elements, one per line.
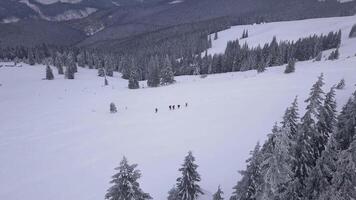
<point>288,30</point>
<point>58,141</point>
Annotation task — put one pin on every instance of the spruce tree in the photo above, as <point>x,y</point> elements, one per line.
<point>167,76</point>
<point>320,181</point>
<point>290,119</point>
<point>113,108</point>
<point>247,187</point>
<point>49,73</point>
<point>290,68</point>
<point>216,36</point>
<point>276,165</point>
<point>187,184</point>
<point>101,72</point>
<point>346,123</point>
<point>341,84</point>
<point>344,181</point>
<point>133,78</point>
<point>125,184</point>
<point>69,73</point>
<point>326,119</point>
<point>218,195</point>
<point>173,194</point>
<point>309,124</point>
<point>153,78</point>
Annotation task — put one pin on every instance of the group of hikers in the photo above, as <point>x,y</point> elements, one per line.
<point>173,107</point>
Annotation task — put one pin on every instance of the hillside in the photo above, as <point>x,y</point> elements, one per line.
<point>59,141</point>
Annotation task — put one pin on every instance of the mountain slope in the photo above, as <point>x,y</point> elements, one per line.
<point>67,146</point>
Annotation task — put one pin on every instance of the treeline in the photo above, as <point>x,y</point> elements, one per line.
<point>307,157</point>
<point>182,56</point>
<point>243,58</point>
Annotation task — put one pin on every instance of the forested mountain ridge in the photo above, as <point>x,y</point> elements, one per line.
<point>101,22</point>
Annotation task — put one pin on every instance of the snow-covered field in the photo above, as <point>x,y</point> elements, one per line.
<point>58,140</point>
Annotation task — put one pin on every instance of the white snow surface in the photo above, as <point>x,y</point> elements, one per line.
<point>58,140</point>
<point>176,1</point>
<point>55,1</point>
<point>65,16</point>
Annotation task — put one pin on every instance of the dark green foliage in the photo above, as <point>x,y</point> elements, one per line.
<point>125,185</point>
<point>290,68</point>
<point>353,31</point>
<point>134,76</point>
<point>244,34</point>
<point>101,72</point>
<point>218,195</point>
<point>113,108</point>
<point>334,55</point>
<point>246,188</point>
<point>69,73</point>
<point>341,84</point>
<point>106,81</point>
<point>153,77</point>
<point>167,75</point>
<point>187,184</point>
<point>173,194</point>
<point>49,73</point>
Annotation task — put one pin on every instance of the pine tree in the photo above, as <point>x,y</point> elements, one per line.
<point>60,69</point>
<point>290,67</point>
<point>216,36</point>
<point>101,72</point>
<point>167,76</point>
<point>319,56</point>
<point>218,194</point>
<point>187,185</point>
<point>313,111</point>
<point>113,108</point>
<point>290,119</point>
<point>133,78</point>
<point>246,188</point>
<point>153,78</point>
<point>125,185</point>
<point>353,31</point>
<point>173,194</point>
<point>49,73</point>
<point>69,73</point>
<point>341,84</point>
<point>319,183</point>
<point>346,123</point>
<point>326,119</point>
<point>276,165</point>
<point>344,180</point>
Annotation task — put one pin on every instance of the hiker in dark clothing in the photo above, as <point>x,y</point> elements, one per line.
<point>186,104</point>
<point>178,106</point>
<point>173,107</point>
<point>156,110</point>
<point>170,107</point>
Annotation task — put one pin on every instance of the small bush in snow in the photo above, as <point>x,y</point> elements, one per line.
<point>353,31</point>
<point>113,108</point>
<point>290,68</point>
<point>341,84</point>
<point>49,73</point>
<point>334,55</point>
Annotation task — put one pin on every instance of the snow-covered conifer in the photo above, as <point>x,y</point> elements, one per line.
<point>125,184</point>
<point>187,184</point>
<point>49,73</point>
<point>218,195</point>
